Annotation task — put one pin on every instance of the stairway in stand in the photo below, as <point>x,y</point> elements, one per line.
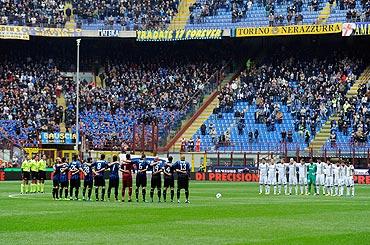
<point>323,135</point>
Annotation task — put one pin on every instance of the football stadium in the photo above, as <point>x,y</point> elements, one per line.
<point>185,122</point>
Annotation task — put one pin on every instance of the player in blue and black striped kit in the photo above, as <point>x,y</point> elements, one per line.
<point>56,178</point>
<point>182,168</point>
<point>99,168</point>
<point>88,179</point>
<point>75,182</point>
<point>114,177</point>
<point>141,168</point>
<point>156,182</point>
<point>63,178</point>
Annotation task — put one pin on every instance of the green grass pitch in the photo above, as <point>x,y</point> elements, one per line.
<point>241,216</point>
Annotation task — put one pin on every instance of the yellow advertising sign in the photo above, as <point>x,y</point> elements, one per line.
<point>172,35</point>
<point>14,32</point>
<point>288,30</point>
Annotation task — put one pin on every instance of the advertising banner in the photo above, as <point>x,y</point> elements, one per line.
<point>174,35</point>
<point>355,29</point>
<point>58,138</point>
<point>288,30</point>
<point>14,32</point>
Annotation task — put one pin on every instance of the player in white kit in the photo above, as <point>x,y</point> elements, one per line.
<point>320,177</point>
<point>292,171</point>
<point>341,178</point>
<point>262,168</point>
<point>271,176</point>
<point>329,178</point>
<point>281,167</point>
<point>349,172</point>
<point>336,178</point>
<point>302,172</point>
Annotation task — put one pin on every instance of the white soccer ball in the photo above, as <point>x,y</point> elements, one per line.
<point>218,195</point>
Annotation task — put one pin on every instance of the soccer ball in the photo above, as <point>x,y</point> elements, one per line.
<point>218,195</point>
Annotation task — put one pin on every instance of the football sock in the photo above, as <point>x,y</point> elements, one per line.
<point>22,188</point>
<point>116,192</point>
<point>130,192</point>
<point>296,189</point>
<point>123,193</point>
<point>76,193</point>
<point>172,194</point>
<point>260,188</point>
<point>65,193</point>
<point>38,187</point>
<point>97,193</point>
<point>159,194</point>
<point>54,193</point>
<point>285,189</point>
<point>137,193</point>
<point>84,191</point>
<point>109,190</point>
<point>102,192</point>
<point>348,189</point>
<point>151,194</point>
<point>144,193</point>
<point>70,192</point>
<point>42,186</point>
<point>89,192</point>
<point>290,189</point>
<point>279,189</point>
<point>61,192</point>
<point>178,194</point>
<point>187,194</point>
<point>353,190</point>
<point>164,194</point>
<point>317,189</point>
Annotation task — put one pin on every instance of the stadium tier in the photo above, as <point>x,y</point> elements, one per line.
<point>150,15</point>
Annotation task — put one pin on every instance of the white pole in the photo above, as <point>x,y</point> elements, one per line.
<point>78,92</point>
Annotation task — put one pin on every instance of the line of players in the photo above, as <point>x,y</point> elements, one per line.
<point>332,178</point>
<point>94,175</point>
<point>33,170</point>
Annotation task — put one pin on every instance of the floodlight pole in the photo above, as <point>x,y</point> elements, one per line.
<point>77,93</point>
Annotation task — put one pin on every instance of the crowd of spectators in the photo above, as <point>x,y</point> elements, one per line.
<point>150,14</point>
<point>28,98</point>
<point>32,13</point>
<point>356,14</point>
<point>310,89</point>
<point>206,8</point>
<point>159,92</point>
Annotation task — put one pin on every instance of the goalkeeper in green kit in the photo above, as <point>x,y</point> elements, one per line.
<point>311,176</point>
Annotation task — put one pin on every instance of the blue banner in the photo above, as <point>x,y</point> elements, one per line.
<point>58,138</point>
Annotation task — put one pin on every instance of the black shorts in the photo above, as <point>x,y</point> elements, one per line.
<point>99,180</point>
<point>169,182</point>
<point>156,181</point>
<point>42,175</point>
<point>35,175</point>
<point>114,182</point>
<point>88,183</point>
<point>182,181</point>
<point>26,175</point>
<point>75,183</point>
<point>55,182</point>
<point>141,180</point>
<point>64,184</point>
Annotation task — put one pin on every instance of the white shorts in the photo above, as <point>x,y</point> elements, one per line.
<point>263,179</point>
<point>342,181</point>
<point>292,180</point>
<point>303,180</point>
<point>272,180</point>
<point>349,181</point>
<point>329,181</point>
<point>282,179</point>
<point>336,181</point>
<point>320,179</point>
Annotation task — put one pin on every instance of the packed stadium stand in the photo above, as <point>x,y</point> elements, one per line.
<point>149,15</point>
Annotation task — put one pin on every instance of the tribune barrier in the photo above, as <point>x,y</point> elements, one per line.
<point>15,174</point>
